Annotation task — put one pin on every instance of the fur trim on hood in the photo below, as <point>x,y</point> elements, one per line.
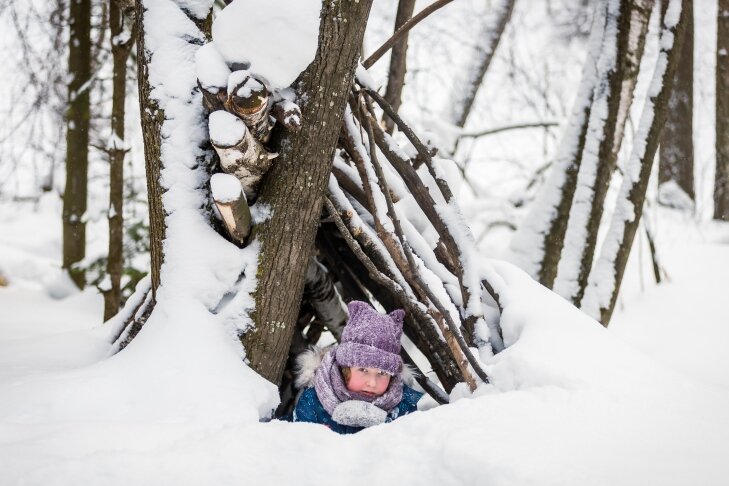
<point>308,361</point>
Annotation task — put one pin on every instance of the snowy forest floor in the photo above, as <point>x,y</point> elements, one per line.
<point>645,402</point>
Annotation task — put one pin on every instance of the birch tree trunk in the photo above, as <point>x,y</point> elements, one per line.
<point>120,49</point>
<point>77,139</point>
<point>398,61</point>
<point>293,188</point>
<point>721,178</point>
<point>677,144</point>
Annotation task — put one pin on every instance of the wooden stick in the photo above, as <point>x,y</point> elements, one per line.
<point>413,307</point>
<point>242,155</point>
<point>234,210</point>
<point>460,349</point>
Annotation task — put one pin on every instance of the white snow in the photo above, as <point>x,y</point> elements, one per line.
<point>278,38</point>
<point>225,187</point>
<point>226,129</point>
<point>570,403</point>
<point>211,69</point>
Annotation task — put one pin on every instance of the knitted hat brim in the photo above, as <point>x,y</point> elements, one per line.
<point>356,355</point>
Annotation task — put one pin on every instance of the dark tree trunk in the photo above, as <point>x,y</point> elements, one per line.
<point>721,179</point>
<point>115,263</point>
<point>77,139</point>
<point>294,187</point>
<point>152,118</point>
<point>398,61</point>
<point>676,161</point>
<point>635,188</point>
<point>633,21</point>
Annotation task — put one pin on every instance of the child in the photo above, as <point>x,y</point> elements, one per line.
<point>358,383</point>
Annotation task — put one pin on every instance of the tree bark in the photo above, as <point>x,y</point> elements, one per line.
<point>603,291</point>
<point>77,139</point>
<point>120,50</point>
<point>601,151</point>
<point>398,61</point>
<point>721,178</point>
<point>293,188</point>
<point>676,162</point>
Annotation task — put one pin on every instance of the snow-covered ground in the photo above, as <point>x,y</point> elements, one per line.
<point>644,402</point>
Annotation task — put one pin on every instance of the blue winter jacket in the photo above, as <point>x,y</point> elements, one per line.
<point>310,409</point>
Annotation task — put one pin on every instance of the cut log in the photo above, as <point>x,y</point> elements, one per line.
<point>232,206</point>
<point>288,114</point>
<point>240,153</point>
<point>249,98</point>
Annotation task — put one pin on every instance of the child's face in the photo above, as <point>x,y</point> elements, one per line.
<point>370,381</point>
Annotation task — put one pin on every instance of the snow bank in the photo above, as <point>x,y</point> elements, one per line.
<point>570,404</point>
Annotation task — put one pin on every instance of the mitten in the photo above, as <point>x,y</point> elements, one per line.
<point>357,413</point>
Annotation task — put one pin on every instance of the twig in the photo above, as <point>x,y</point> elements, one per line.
<point>402,30</point>
<point>492,131</point>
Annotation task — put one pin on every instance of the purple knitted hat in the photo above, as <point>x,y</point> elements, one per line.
<point>371,339</point>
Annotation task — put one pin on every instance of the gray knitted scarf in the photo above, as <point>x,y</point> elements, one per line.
<point>332,390</point>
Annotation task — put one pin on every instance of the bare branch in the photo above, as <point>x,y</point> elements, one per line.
<point>402,30</point>
<point>493,131</point>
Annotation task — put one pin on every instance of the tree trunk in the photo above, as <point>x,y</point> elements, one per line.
<point>677,144</point>
<point>721,179</point>
<point>398,61</point>
<point>640,16</point>
<point>489,38</point>
<point>600,157</point>
<point>607,276</point>
<point>120,50</point>
<point>151,117</point>
<point>293,188</point>
<point>537,244</point>
<point>77,139</point>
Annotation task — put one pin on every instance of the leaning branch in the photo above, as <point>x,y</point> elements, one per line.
<point>402,30</point>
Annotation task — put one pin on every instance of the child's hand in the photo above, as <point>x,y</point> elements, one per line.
<point>357,413</point>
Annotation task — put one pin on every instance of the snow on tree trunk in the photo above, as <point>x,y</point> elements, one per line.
<point>77,139</point>
<point>293,188</point>
<point>599,155</point>
<point>537,245</point>
<point>607,275</point>
<point>721,178</point>
<point>190,260</point>
<point>640,15</point>
<point>465,90</point>
<point>570,205</point>
<point>677,143</point>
